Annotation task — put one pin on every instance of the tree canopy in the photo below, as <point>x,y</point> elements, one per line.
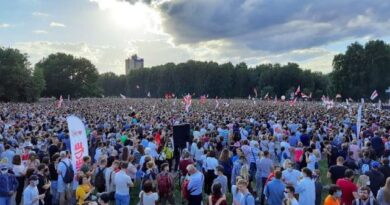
<point>67,75</point>
<point>17,81</point>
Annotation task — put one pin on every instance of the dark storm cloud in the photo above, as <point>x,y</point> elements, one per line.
<point>273,25</point>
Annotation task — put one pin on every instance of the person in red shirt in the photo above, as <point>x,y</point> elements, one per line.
<point>348,188</point>
<point>184,163</point>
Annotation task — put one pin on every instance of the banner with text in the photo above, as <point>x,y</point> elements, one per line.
<point>78,141</point>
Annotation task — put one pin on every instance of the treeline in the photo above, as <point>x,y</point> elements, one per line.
<point>356,73</point>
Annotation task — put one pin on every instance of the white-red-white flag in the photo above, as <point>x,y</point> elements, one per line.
<point>187,102</point>
<point>338,96</point>
<point>59,102</point>
<point>374,95</point>
<point>298,90</point>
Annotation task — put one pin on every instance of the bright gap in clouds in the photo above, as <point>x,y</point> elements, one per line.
<point>137,17</point>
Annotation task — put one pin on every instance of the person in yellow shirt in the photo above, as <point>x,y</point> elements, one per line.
<point>84,190</point>
<point>334,196</point>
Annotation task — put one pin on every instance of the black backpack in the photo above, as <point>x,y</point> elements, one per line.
<point>69,174</point>
<point>100,181</point>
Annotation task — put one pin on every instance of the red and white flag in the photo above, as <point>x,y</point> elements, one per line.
<point>374,95</point>
<point>304,95</point>
<point>187,102</point>
<point>59,102</point>
<point>298,90</point>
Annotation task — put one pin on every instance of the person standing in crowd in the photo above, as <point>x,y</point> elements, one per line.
<point>337,171</point>
<point>210,165</point>
<point>227,165</point>
<point>147,196</point>
<point>19,171</point>
<point>54,179</point>
<point>364,197</point>
<point>8,185</point>
<point>236,194</point>
<point>64,188</point>
<point>44,183</point>
<point>306,188</point>
<point>30,194</point>
<point>377,180</point>
<point>265,166</point>
<point>221,179</point>
<point>110,176</point>
<point>246,198</point>
<point>195,185</point>
<point>334,197</point>
<point>217,197</point>
<point>384,193</point>
<point>122,184</point>
<point>165,185</point>
<point>274,190</point>
<point>84,190</point>
<point>348,188</point>
<point>289,196</point>
<point>290,175</point>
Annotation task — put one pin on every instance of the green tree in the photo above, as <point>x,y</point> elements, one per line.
<point>67,75</point>
<point>16,80</point>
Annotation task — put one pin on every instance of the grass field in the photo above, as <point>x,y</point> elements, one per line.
<point>179,200</point>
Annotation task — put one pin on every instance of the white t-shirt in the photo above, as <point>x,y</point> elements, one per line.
<point>211,163</point>
<point>19,170</point>
<point>312,164</point>
<point>148,199</point>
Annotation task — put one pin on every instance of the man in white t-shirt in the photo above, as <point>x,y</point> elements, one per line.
<point>122,184</point>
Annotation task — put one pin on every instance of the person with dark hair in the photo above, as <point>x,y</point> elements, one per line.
<point>30,194</point>
<point>334,196</point>
<point>221,179</point>
<point>122,183</point>
<point>8,185</point>
<point>265,166</point>
<point>165,185</point>
<point>364,197</point>
<point>348,188</point>
<point>377,179</point>
<point>337,171</point>
<point>217,197</point>
<point>289,196</point>
<point>274,190</point>
<point>44,183</point>
<point>19,171</point>
<point>147,196</point>
<point>84,190</point>
<point>385,168</point>
<point>306,188</point>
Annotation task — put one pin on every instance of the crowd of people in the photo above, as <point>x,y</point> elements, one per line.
<point>242,152</point>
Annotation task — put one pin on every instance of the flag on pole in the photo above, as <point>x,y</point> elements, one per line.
<point>374,95</point>
<point>216,103</point>
<point>266,96</point>
<point>255,91</point>
<point>187,102</point>
<point>78,141</point>
<point>298,90</point>
<point>359,121</point>
<point>380,105</point>
<point>304,95</point>
<point>338,96</point>
<point>347,101</point>
<point>310,95</point>
<point>148,94</point>
<point>137,86</point>
<point>59,103</point>
<point>122,96</point>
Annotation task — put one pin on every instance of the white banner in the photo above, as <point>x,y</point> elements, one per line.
<point>78,141</point>
<point>359,122</point>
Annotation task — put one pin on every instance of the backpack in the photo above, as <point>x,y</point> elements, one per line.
<point>165,185</point>
<point>184,189</point>
<point>168,153</point>
<point>69,174</point>
<point>365,167</point>
<point>100,181</point>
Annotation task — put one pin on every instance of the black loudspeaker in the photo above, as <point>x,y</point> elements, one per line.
<point>181,135</point>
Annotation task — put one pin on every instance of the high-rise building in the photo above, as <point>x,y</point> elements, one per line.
<point>134,63</point>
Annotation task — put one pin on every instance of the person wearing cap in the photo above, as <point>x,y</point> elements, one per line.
<point>8,185</point>
<point>30,194</point>
<point>377,179</point>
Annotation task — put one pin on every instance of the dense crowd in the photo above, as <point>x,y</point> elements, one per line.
<point>242,152</point>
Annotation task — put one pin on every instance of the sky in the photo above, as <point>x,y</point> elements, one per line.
<point>308,32</point>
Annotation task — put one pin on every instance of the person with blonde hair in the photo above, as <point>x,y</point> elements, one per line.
<point>383,196</point>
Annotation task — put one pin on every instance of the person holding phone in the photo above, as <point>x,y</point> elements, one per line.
<point>30,194</point>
